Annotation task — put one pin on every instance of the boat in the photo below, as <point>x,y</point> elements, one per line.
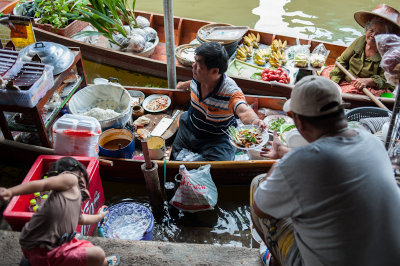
<point>129,170</point>
<point>185,31</point>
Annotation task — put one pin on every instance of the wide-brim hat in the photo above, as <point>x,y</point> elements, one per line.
<point>383,12</point>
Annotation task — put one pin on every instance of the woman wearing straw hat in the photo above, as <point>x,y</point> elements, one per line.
<point>362,58</point>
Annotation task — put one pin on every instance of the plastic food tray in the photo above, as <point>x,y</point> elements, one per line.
<point>30,97</point>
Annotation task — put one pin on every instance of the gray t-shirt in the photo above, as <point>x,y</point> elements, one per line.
<point>342,197</point>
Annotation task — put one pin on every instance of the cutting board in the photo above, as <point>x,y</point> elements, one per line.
<point>155,118</point>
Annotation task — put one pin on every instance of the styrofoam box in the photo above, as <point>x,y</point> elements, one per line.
<point>27,98</point>
<point>76,135</point>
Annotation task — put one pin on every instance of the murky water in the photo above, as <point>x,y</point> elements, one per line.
<point>228,224</point>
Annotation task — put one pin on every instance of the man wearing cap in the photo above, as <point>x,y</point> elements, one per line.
<point>333,201</point>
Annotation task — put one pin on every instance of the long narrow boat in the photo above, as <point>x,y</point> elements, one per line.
<point>186,31</point>
<point>128,170</point>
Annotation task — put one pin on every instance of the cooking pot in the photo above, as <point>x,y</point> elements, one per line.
<point>156,146</point>
<point>118,143</point>
<point>54,54</point>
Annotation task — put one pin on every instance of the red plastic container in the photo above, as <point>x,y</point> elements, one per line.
<point>16,214</point>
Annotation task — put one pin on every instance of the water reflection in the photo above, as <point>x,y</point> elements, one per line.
<point>227,225</point>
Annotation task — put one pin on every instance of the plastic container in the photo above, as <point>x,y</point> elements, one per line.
<point>117,143</point>
<point>76,135</point>
<point>129,220</point>
<point>16,213</point>
<point>27,98</point>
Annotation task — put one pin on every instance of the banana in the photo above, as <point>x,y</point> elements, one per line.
<point>258,38</point>
<point>240,53</point>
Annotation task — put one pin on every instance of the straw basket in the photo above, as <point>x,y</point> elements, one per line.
<point>183,54</point>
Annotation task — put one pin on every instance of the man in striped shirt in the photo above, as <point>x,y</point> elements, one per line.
<point>216,102</point>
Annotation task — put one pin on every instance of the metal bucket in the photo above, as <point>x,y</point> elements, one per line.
<point>118,143</point>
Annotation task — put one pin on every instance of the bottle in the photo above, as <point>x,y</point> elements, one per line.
<point>32,205</point>
<point>44,198</point>
<point>38,198</point>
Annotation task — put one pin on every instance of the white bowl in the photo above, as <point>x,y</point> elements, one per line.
<point>152,97</point>
<point>294,139</point>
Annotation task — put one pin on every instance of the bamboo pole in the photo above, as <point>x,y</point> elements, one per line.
<point>365,90</point>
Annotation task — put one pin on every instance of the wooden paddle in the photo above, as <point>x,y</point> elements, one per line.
<point>365,90</point>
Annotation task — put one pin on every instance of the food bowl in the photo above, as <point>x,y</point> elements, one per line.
<point>137,97</point>
<point>265,137</point>
<point>150,98</point>
<point>104,96</point>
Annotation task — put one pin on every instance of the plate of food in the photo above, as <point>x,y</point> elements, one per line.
<point>247,137</point>
<point>156,103</point>
<point>276,121</point>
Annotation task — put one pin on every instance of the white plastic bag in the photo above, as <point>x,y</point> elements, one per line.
<point>389,48</point>
<point>197,191</point>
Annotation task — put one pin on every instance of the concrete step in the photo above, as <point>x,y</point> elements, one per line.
<point>148,252</point>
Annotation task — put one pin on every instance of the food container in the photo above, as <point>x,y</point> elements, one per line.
<point>156,147</point>
<point>16,214</point>
<point>27,98</point>
<point>76,135</point>
<point>104,96</point>
<point>117,143</point>
<point>301,60</point>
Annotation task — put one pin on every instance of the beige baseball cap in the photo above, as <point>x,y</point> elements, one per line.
<point>314,96</point>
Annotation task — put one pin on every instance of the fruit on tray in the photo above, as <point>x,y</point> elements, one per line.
<point>277,57</point>
<point>252,40</point>
<point>278,75</point>
<point>244,52</point>
<point>261,56</point>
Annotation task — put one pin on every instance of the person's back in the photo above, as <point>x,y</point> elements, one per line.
<point>346,208</point>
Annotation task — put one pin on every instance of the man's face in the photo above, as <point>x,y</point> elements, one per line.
<point>200,71</point>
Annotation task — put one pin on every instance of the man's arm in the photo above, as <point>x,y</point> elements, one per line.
<point>247,115</point>
<point>183,85</point>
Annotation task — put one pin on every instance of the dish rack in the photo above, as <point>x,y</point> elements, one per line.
<point>7,60</point>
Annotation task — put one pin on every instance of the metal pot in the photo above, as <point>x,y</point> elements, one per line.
<point>54,54</point>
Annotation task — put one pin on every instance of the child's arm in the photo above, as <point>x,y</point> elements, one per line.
<point>87,219</point>
<point>60,182</point>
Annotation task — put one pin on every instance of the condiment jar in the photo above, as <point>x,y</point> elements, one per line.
<point>137,111</point>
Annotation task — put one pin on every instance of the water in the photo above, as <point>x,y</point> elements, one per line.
<point>331,21</point>
<point>228,224</point>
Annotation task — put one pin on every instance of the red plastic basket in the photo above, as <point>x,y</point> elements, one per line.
<point>16,214</point>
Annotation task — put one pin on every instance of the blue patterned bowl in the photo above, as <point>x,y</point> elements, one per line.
<point>129,220</point>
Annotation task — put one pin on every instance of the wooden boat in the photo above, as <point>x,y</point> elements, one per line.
<point>128,170</point>
<point>186,31</point>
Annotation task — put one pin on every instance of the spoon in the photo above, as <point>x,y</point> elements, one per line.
<point>118,110</point>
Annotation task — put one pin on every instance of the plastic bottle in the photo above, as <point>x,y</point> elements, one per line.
<point>38,198</point>
<point>32,205</point>
<point>44,198</point>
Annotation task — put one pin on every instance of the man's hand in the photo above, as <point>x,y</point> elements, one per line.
<point>5,194</point>
<point>361,83</point>
<point>260,123</point>
<point>277,149</point>
<point>183,85</point>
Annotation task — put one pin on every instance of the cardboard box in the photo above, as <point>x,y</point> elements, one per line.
<point>16,214</point>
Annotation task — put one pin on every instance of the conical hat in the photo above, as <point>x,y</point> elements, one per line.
<point>384,12</point>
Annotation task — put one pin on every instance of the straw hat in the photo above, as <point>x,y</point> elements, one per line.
<point>382,11</point>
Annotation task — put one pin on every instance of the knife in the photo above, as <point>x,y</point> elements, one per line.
<point>164,124</point>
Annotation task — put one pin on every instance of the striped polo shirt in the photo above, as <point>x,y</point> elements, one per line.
<point>210,115</point>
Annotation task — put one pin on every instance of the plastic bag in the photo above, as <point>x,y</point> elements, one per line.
<point>302,56</point>
<point>197,191</point>
<point>188,156</point>
<point>319,56</point>
<point>389,48</point>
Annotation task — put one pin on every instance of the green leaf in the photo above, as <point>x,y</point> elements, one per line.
<point>256,76</point>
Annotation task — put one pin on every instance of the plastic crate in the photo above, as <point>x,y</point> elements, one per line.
<point>27,98</point>
<point>359,113</point>
<point>16,214</point>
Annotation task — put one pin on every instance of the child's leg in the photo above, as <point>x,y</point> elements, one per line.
<point>95,256</point>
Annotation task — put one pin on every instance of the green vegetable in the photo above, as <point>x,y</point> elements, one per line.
<point>277,123</point>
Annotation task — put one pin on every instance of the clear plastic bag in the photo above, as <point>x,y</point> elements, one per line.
<point>302,56</point>
<point>389,48</point>
<point>188,156</point>
<point>197,191</point>
<point>319,56</point>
